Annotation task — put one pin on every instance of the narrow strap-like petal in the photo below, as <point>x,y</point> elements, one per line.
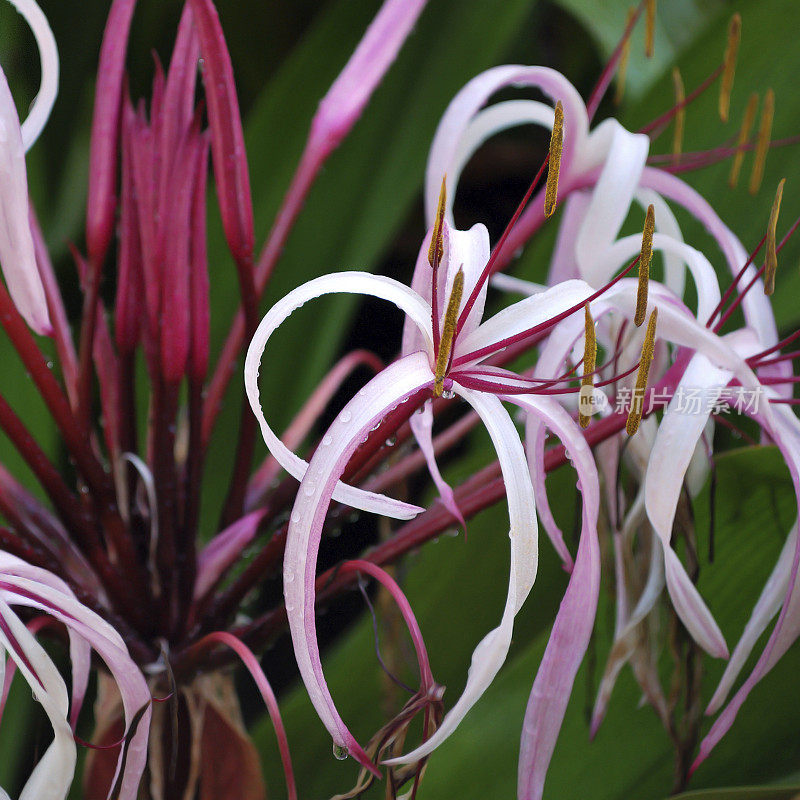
<point>491,652</point>
<point>575,620</point>
<point>17,255</point>
<point>349,283</point>
<point>384,392</point>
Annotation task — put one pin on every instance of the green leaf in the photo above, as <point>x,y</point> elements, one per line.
<point>743,793</point>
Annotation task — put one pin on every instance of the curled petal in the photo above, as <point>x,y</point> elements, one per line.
<point>455,135</point>
<point>349,283</point>
<point>48,55</point>
<point>386,391</point>
<point>52,776</point>
<point>491,652</point>
<point>17,255</point>
<point>575,620</point>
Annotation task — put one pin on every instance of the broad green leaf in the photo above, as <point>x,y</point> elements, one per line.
<point>743,793</point>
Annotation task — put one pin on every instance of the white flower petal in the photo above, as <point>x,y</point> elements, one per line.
<point>385,391</point>
<point>16,242</point>
<point>492,650</point>
<point>349,283</point>
<point>446,150</point>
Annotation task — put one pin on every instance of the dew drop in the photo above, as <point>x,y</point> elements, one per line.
<point>339,752</point>
<point>309,489</point>
<point>448,394</point>
<point>290,607</point>
<point>327,439</point>
<point>288,577</point>
<point>295,516</point>
<point>391,441</point>
<point>345,416</point>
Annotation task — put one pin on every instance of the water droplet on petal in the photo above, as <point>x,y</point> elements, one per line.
<point>339,752</point>
<point>327,439</point>
<point>345,416</point>
<point>288,577</point>
<point>295,516</point>
<point>391,441</point>
<point>309,489</point>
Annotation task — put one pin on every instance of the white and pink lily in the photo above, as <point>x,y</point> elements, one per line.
<point>444,354</point>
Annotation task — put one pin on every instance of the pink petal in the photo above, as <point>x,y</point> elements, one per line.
<point>349,283</point>
<point>384,392</point>
<point>17,255</point>
<point>491,652</point>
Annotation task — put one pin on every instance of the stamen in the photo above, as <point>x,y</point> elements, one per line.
<point>771,263</point>
<point>554,162</point>
<point>624,57</point>
<point>648,349</point>
<point>744,133</point>
<point>644,265</point>
<point>680,115</point>
<point>762,144</point>
<point>436,249</point>
<point>589,360</point>
<point>729,66</point>
<point>448,333</point>
<point>650,29</point>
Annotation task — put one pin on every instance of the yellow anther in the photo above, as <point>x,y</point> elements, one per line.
<point>648,349</point>
<point>644,265</point>
<point>729,66</point>
<point>680,115</point>
<point>771,263</point>
<point>448,332</point>
<point>589,360</point>
<point>762,143</point>
<point>554,162</point>
<point>650,29</point>
<point>744,133</point>
<point>624,57</point>
<point>436,249</point>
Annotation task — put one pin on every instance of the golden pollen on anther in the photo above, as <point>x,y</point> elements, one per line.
<point>554,161</point>
<point>624,57</point>
<point>589,359</point>
<point>744,133</point>
<point>729,66</point>
<point>762,142</point>
<point>650,29</point>
<point>436,249</point>
<point>771,262</point>
<point>448,333</point>
<point>680,115</point>
<point>648,349</point>
<point>644,265</point>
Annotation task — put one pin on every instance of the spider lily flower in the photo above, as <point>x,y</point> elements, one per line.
<point>443,358</point>
<point>16,241</point>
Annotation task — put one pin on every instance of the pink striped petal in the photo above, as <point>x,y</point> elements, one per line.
<point>17,256</point>
<point>575,620</point>
<point>349,283</point>
<point>384,392</point>
<point>491,652</point>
